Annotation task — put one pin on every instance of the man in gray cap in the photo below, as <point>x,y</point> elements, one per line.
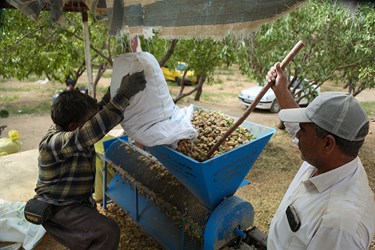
<point>329,204</point>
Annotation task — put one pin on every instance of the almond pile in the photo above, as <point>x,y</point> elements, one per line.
<point>211,126</point>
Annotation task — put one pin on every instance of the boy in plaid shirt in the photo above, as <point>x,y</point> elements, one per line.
<point>67,165</point>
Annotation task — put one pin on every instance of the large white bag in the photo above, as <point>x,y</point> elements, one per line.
<point>15,228</point>
<point>151,118</point>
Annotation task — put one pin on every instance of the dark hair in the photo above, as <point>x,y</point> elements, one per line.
<point>72,106</point>
<point>350,148</point>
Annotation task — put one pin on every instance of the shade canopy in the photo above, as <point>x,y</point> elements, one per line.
<point>168,18</point>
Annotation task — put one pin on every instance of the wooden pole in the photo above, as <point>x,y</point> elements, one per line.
<point>284,63</point>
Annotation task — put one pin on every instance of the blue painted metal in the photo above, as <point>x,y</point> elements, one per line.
<point>244,183</point>
<point>106,144</point>
<point>149,217</point>
<point>212,180</point>
<point>240,233</point>
<point>231,214</point>
<point>225,223</point>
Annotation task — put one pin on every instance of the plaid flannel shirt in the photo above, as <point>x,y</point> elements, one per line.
<point>67,158</point>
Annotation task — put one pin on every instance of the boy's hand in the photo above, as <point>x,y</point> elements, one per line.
<point>132,84</point>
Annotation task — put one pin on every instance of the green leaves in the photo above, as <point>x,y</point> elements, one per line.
<point>339,44</point>
<point>43,48</point>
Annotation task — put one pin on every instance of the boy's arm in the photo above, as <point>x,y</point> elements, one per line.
<point>65,144</point>
<point>113,112</point>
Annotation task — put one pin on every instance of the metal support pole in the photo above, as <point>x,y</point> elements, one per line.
<point>105,176</point>
<point>86,39</point>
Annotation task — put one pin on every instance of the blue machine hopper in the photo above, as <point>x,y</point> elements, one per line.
<point>218,177</point>
<point>212,182</point>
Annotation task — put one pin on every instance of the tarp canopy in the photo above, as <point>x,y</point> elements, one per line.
<point>169,18</point>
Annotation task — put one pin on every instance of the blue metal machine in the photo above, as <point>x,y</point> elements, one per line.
<point>200,211</point>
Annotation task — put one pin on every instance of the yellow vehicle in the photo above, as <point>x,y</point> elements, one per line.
<point>176,74</point>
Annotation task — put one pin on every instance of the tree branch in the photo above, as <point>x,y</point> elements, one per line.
<point>179,97</point>
<point>31,32</point>
<point>169,53</point>
<point>348,65</point>
<point>81,39</point>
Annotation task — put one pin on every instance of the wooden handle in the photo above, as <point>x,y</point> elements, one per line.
<point>292,54</point>
<point>263,91</point>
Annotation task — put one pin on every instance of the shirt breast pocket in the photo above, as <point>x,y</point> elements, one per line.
<point>288,230</point>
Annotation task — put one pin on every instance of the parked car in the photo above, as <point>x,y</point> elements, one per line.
<point>176,74</point>
<point>269,102</point>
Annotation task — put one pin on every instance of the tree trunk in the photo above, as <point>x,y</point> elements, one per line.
<point>102,68</point>
<point>199,88</point>
<point>169,53</point>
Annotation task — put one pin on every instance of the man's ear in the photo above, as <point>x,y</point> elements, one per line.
<point>73,126</point>
<point>330,143</point>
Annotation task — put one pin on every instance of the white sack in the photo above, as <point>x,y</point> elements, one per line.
<point>151,118</point>
<point>15,228</point>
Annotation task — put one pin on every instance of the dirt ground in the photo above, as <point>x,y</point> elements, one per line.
<point>270,175</point>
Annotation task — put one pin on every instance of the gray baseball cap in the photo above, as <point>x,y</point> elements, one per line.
<point>338,113</point>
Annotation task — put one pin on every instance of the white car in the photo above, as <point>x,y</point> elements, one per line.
<point>269,101</point>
